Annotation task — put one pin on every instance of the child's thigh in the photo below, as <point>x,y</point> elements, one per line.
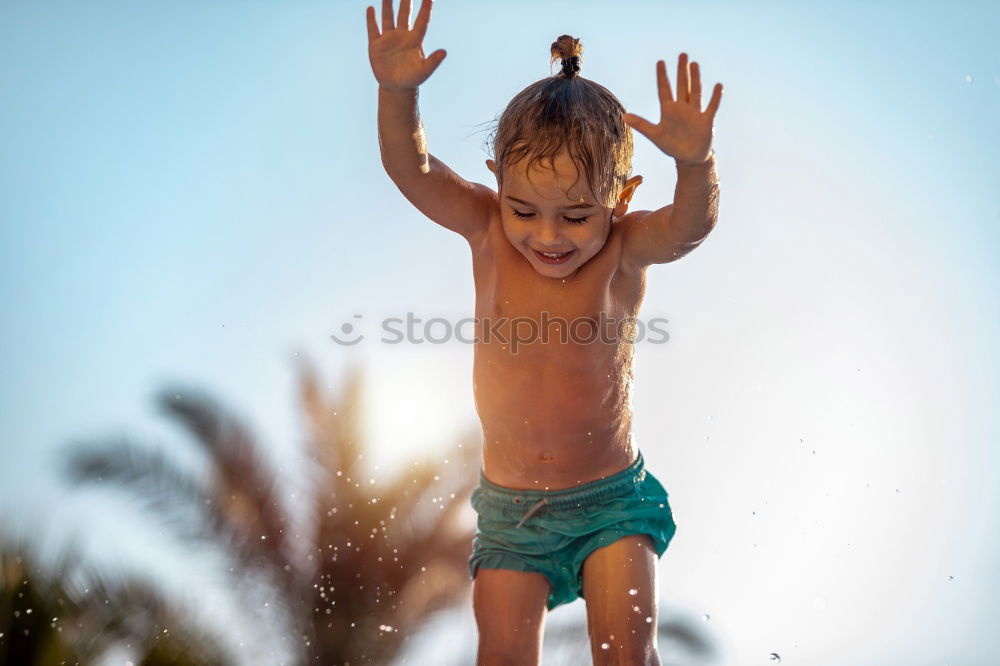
<point>619,586</point>
<point>510,611</point>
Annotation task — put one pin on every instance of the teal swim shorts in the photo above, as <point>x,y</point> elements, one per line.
<point>552,532</point>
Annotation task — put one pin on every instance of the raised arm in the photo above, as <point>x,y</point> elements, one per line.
<point>400,67</point>
<point>685,133</point>
<point>667,234</point>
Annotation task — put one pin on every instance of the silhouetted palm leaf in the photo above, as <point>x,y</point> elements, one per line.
<point>30,612</point>
<point>152,478</point>
<point>384,565</point>
<point>218,513</point>
<point>46,620</point>
<point>244,485</point>
<point>383,556</point>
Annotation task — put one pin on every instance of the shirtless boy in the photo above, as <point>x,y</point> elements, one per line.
<point>566,506</point>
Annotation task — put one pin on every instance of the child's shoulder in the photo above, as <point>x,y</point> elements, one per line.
<point>647,238</point>
<point>484,235</point>
<point>626,232</point>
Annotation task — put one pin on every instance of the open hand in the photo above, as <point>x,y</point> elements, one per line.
<point>684,131</point>
<point>396,54</point>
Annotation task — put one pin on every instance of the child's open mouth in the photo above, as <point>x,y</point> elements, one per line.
<point>553,257</point>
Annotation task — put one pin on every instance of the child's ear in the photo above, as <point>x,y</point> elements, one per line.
<point>492,166</point>
<point>626,196</point>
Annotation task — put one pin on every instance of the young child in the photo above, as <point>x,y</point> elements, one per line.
<point>565,505</point>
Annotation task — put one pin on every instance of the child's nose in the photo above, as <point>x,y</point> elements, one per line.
<point>548,234</point>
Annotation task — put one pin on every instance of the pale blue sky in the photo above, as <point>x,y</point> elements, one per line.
<point>193,191</point>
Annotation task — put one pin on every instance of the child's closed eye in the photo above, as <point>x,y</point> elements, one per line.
<point>528,216</point>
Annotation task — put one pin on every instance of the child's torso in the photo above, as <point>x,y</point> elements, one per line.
<point>554,396</point>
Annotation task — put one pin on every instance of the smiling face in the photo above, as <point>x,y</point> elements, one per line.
<point>550,215</point>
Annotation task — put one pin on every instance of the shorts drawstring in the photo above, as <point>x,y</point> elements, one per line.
<point>533,509</point>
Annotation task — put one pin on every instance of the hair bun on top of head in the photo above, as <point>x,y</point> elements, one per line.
<point>568,49</point>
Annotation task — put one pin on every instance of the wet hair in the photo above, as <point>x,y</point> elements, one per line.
<point>567,112</point>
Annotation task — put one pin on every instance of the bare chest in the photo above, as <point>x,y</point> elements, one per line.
<point>510,292</point>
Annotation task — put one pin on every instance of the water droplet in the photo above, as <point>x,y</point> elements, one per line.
<point>951,578</point>
<point>604,646</point>
<point>775,657</point>
<point>632,591</point>
<point>635,609</point>
<point>968,78</point>
<point>649,620</point>
<point>706,617</point>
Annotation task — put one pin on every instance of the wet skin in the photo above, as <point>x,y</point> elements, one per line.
<point>556,412</point>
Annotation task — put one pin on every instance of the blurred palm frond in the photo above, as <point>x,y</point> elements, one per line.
<point>46,619</point>
<point>389,554</point>
<point>379,558</point>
